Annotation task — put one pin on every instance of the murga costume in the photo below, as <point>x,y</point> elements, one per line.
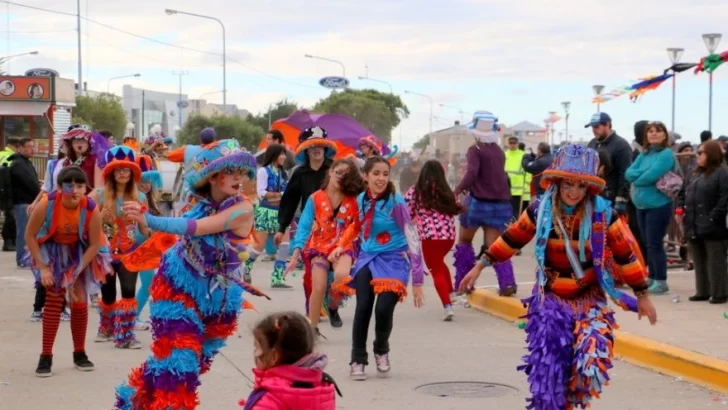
<point>197,293</point>
<point>570,330</point>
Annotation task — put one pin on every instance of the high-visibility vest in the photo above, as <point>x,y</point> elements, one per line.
<point>520,180</point>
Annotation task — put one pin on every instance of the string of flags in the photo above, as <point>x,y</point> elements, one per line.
<point>707,64</point>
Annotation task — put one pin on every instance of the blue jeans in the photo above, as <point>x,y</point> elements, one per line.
<point>21,220</point>
<point>653,225</point>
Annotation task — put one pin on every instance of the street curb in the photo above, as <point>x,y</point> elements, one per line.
<point>660,357</point>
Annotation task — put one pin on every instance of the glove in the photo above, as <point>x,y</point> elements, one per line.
<point>175,226</point>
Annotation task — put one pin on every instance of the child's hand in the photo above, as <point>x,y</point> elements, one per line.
<point>292,264</point>
<point>335,254</point>
<point>419,296</point>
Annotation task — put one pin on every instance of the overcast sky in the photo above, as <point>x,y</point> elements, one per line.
<point>518,59</point>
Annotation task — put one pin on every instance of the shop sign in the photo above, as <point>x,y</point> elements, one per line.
<point>15,88</point>
<point>41,72</point>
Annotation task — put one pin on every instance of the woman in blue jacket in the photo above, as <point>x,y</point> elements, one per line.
<point>654,208</point>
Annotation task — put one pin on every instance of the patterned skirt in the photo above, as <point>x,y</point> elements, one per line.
<point>486,214</point>
<point>64,262</point>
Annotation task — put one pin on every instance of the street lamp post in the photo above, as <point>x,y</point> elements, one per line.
<point>10,57</point>
<point>566,105</point>
<point>711,43</point>
<point>459,110</point>
<point>552,114</point>
<point>674,53</point>
<point>224,56</point>
<point>424,96</point>
<point>598,91</point>
<point>330,60</point>
<point>179,98</point>
<point>377,81</point>
<point>108,83</point>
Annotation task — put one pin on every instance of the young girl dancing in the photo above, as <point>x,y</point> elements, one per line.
<point>288,373</point>
<point>150,184</point>
<point>390,250</point>
<point>118,317</point>
<point>327,214</point>
<point>197,291</point>
<point>69,255</point>
<point>570,325</point>
<point>432,206</point>
<point>271,182</point>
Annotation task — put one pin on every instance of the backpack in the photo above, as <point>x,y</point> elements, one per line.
<point>6,188</point>
<point>258,393</point>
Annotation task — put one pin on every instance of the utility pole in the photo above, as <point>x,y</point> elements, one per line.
<point>78,22</point>
<point>142,127</point>
<point>179,99</point>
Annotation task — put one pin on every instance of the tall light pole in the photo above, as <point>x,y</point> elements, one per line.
<point>179,98</point>
<point>224,55</point>
<point>108,83</point>
<point>711,43</point>
<point>674,53</point>
<point>566,105</point>
<point>78,29</point>
<point>598,91</point>
<point>459,110</point>
<point>343,68</point>
<point>424,96</point>
<point>377,81</point>
<point>10,57</point>
<point>552,114</point>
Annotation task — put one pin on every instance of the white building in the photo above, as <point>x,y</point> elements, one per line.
<point>144,108</point>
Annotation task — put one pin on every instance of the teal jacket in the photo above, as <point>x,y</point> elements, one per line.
<point>644,173</point>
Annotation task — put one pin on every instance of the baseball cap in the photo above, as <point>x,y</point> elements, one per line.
<point>599,118</point>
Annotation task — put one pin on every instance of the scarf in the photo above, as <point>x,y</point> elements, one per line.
<point>369,216</point>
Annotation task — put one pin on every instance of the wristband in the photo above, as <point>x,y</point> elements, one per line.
<point>679,211</point>
<point>485,262</point>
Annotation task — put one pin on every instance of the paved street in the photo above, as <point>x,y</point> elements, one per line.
<point>475,347</point>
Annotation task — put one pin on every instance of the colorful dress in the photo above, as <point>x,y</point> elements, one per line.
<point>269,179</point>
<point>319,230</point>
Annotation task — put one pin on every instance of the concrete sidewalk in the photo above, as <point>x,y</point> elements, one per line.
<point>473,348</point>
<point>688,341</point>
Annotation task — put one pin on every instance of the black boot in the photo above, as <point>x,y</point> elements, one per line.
<point>335,319</point>
<point>82,363</point>
<point>44,366</point>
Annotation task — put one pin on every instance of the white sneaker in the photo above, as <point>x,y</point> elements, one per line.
<point>448,314</point>
<point>356,372</point>
<point>142,326</point>
<point>103,338</point>
<point>383,366</point>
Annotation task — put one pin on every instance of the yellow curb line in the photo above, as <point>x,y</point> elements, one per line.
<point>660,357</point>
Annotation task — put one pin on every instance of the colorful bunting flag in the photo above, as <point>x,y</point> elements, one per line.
<point>711,63</point>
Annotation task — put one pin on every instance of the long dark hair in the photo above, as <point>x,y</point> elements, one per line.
<point>272,153</point>
<point>713,157</point>
<point>351,182</point>
<point>369,165</point>
<point>432,191</point>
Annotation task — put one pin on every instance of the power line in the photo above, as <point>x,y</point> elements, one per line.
<point>36,32</point>
<point>271,75</point>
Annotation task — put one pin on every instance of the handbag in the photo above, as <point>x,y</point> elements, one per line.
<point>671,183</point>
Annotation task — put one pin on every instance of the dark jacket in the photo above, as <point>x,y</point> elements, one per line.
<point>620,156</point>
<point>536,166</point>
<point>304,182</point>
<point>24,180</point>
<point>705,201</point>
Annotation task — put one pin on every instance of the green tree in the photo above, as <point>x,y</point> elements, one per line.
<point>379,112</point>
<point>248,134</point>
<point>422,142</point>
<point>102,112</point>
<point>281,109</point>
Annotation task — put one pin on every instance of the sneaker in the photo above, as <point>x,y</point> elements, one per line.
<point>133,345</point>
<point>448,313</point>
<point>335,319</point>
<point>356,372</point>
<point>94,299</point>
<point>281,286</point>
<point>44,366</point>
<point>103,337</point>
<point>382,364</point>
<point>66,316</point>
<point>82,363</point>
<point>142,326</point>
<point>658,287</point>
<point>36,316</point>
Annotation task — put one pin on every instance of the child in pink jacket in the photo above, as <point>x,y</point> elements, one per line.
<point>288,374</point>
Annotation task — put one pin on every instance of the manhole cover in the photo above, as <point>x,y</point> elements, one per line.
<point>466,389</point>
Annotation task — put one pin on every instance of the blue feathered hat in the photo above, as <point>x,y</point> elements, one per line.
<point>219,156</point>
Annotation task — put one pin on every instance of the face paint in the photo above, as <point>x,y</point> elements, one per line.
<point>67,188</point>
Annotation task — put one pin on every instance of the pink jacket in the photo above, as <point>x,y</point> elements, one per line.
<point>310,393</point>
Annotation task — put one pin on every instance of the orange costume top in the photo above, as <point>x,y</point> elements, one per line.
<point>560,276</point>
<point>321,225</point>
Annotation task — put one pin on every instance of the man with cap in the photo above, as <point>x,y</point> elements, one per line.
<point>620,158</point>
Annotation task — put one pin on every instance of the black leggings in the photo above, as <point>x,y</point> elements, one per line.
<point>126,279</point>
<point>383,313</point>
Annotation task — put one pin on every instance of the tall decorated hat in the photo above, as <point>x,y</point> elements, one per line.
<point>314,137</point>
<point>218,157</point>
<point>577,163</point>
<point>149,174</point>
<point>485,128</point>
<point>372,142</point>
<point>122,156</point>
<point>98,145</point>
